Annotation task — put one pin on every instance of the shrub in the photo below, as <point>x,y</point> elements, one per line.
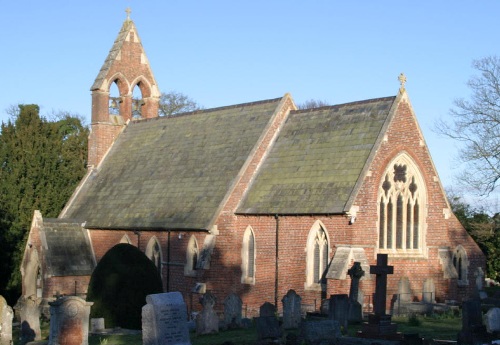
<point>119,286</point>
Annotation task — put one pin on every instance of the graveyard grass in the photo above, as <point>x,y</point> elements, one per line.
<point>444,327</point>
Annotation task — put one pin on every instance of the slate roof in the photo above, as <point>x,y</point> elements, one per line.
<point>171,173</point>
<point>317,160</point>
<point>68,251</point>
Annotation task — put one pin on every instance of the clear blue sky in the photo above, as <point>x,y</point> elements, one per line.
<point>227,52</point>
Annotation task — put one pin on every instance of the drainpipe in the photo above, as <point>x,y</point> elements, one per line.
<point>276,263</point>
<point>168,262</point>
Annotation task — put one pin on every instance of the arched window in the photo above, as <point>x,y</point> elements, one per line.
<point>248,257</point>
<point>192,255</point>
<point>461,264</point>
<point>317,257</point>
<point>153,252</point>
<point>137,102</point>
<point>114,99</point>
<point>401,220</point>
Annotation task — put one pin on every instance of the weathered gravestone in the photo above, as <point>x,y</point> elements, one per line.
<point>492,320</point>
<point>473,329</point>
<point>267,323</point>
<point>232,311</point>
<point>320,332</point>
<point>479,274</point>
<point>207,321</point>
<point>403,297</point>
<point>29,312</point>
<point>379,324</point>
<point>6,316</point>
<point>339,309</point>
<point>355,308</point>
<point>164,320</point>
<point>69,321</point>
<point>291,310</point>
<point>429,291</point>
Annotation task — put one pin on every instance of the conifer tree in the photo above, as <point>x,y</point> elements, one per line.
<point>41,162</point>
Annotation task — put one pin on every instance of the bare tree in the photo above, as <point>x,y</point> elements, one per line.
<point>312,103</point>
<point>476,124</point>
<point>173,103</point>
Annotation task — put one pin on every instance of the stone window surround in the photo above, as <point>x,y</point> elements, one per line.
<point>318,229</point>
<point>192,255</point>
<point>248,257</point>
<point>461,264</point>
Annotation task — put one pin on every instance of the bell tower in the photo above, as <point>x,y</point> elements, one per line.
<point>126,70</point>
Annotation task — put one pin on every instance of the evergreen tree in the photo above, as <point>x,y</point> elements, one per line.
<point>41,162</point>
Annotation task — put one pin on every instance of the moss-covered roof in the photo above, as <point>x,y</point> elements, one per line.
<point>67,248</point>
<point>316,162</point>
<point>171,173</point>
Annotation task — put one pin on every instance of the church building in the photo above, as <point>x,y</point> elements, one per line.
<point>254,199</point>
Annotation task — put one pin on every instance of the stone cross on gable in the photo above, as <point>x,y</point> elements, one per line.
<point>381,270</point>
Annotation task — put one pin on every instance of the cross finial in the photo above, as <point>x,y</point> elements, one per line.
<point>402,81</point>
<point>128,10</point>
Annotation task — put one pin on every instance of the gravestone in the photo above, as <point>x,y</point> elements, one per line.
<point>207,321</point>
<point>232,311</point>
<point>379,323</point>
<point>472,322</point>
<point>339,309</point>
<point>30,319</point>
<point>97,325</point>
<point>69,321</point>
<point>164,320</point>
<point>429,291</point>
<point>492,320</point>
<point>267,324</point>
<point>320,332</point>
<point>404,291</point>
<point>479,274</point>
<point>6,316</point>
<point>291,310</point>
<point>355,314</point>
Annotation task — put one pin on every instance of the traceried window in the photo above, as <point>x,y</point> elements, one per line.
<point>153,252</point>
<point>401,208</point>
<point>461,264</point>
<point>192,255</point>
<point>317,257</point>
<point>248,257</point>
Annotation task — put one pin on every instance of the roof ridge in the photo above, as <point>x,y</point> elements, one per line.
<point>333,106</point>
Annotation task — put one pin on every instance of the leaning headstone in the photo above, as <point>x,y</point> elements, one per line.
<point>164,320</point>
<point>492,320</point>
<point>339,309</point>
<point>267,324</point>
<point>355,314</point>
<point>429,291</point>
<point>291,310</point>
<point>320,332</point>
<point>6,316</point>
<point>232,311</point>
<point>69,321</point>
<point>207,321</point>
<point>30,319</point>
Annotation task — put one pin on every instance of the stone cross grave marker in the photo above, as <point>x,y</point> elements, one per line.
<point>6,316</point>
<point>291,310</point>
<point>232,311</point>
<point>164,320</point>
<point>355,308</point>
<point>381,270</point>
<point>69,321</point>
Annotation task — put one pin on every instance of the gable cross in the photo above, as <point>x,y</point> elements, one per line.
<point>381,270</point>
<point>128,10</point>
<point>402,81</point>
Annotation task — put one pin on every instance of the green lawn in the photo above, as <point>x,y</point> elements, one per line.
<point>428,327</point>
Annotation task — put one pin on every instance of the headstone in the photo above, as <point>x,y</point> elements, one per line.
<point>379,324</point>
<point>164,320</point>
<point>291,310</point>
<point>404,291</point>
<point>355,314</point>
<point>339,309</point>
<point>429,291</point>
<point>492,320</point>
<point>6,316</point>
<point>30,319</point>
<point>232,311</point>
<point>320,332</point>
<point>97,325</point>
<point>207,321</point>
<point>69,321</point>
<point>472,322</point>
<point>479,274</point>
<point>267,323</point>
